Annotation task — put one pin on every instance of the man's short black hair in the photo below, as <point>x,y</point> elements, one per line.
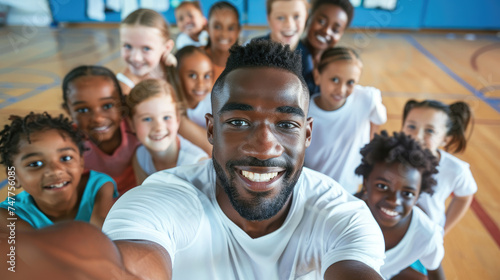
<point>399,148</point>
<point>262,53</point>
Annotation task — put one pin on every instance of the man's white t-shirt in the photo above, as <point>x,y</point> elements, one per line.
<point>197,115</point>
<point>339,135</point>
<point>454,176</point>
<point>423,241</point>
<point>177,208</point>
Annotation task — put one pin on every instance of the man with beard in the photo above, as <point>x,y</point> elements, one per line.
<point>253,211</point>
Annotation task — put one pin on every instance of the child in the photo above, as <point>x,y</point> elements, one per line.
<point>327,23</point>
<point>191,23</point>
<point>287,20</point>
<point>154,116</point>
<point>434,125</point>
<point>145,37</point>
<point>93,99</point>
<point>146,47</point>
<point>395,171</point>
<point>196,74</point>
<point>223,30</point>
<point>45,154</point>
<point>343,113</point>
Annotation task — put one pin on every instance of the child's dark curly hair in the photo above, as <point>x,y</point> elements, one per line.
<point>21,127</point>
<point>399,148</point>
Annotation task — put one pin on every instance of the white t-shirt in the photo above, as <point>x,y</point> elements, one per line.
<point>454,177</point>
<point>423,241</point>
<point>189,153</point>
<point>338,135</point>
<point>180,212</point>
<point>183,40</point>
<point>124,79</point>
<point>197,115</point>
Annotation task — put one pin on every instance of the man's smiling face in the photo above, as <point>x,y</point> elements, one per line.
<point>259,131</point>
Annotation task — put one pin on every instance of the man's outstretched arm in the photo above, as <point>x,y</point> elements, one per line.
<point>77,250</point>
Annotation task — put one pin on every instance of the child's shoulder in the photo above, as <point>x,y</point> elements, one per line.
<point>367,91</point>
<point>451,162</point>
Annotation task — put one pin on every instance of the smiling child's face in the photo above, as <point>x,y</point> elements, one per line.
<point>49,169</point>
<point>392,189</point>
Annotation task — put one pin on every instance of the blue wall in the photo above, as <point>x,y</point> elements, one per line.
<point>409,14</point>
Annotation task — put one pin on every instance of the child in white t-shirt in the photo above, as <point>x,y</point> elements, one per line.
<point>435,124</point>
<point>192,24</point>
<point>196,75</point>
<point>154,115</point>
<point>396,170</point>
<point>345,115</point>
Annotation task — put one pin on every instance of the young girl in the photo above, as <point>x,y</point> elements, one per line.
<point>191,24</point>
<point>93,98</point>
<point>44,154</point>
<point>196,74</point>
<point>343,113</point>
<point>223,30</point>
<point>435,125</point>
<point>146,47</point>
<point>287,20</point>
<point>396,170</point>
<point>326,25</point>
<point>154,115</point>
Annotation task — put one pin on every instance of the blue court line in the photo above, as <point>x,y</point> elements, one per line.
<point>493,102</point>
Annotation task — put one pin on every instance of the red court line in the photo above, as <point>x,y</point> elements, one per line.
<point>486,220</point>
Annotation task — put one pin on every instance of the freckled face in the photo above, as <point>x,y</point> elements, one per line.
<point>259,132</point>
<point>392,191</point>
<point>326,27</point>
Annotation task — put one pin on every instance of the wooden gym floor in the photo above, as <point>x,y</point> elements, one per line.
<point>418,65</point>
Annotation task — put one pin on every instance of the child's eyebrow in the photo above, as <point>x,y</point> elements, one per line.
<point>30,155</point>
<point>66,149</point>
<point>383,179</point>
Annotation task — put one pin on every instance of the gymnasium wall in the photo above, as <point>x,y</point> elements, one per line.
<point>408,14</point>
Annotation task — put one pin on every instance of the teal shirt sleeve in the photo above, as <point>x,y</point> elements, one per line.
<point>26,209</point>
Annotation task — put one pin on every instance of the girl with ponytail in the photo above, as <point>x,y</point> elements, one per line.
<point>442,129</point>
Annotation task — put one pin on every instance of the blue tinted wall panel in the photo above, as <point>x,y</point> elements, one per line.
<point>462,14</point>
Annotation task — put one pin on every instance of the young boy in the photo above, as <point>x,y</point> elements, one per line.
<point>191,23</point>
<point>395,171</point>
<point>44,156</point>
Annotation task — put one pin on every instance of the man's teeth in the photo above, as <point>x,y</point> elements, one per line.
<point>389,212</point>
<point>289,33</point>
<point>57,186</point>
<point>259,177</point>
<point>321,39</point>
